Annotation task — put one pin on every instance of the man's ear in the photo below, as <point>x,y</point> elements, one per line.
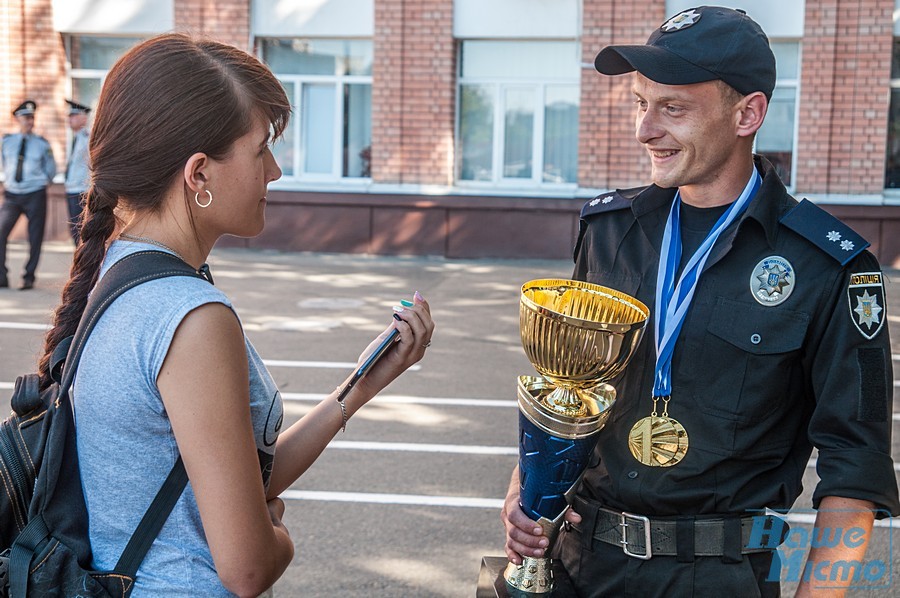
<point>752,111</point>
<point>197,172</point>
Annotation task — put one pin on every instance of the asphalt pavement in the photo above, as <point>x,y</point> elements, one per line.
<point>406,502</point>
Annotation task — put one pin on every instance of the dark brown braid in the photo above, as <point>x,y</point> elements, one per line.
<point>99,222</point>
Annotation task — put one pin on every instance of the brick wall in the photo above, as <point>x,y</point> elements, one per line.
<point>843,96</point>
<point>413,92</point>
<point>227,21</point>
<point>608,154</point>
<point>32,66</point>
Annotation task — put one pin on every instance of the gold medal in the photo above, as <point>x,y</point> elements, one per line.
<point>658,441</point>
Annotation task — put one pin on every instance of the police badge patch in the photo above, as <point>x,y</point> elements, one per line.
<point>772,280</point>
<point>681,21</point>
<point>865,294</point>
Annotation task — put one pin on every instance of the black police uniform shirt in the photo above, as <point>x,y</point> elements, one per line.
<point>754,384</point>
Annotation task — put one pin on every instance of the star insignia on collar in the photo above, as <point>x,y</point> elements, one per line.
<point>681,21</point>
<point>867,309</point>
<point>606,199</point>
<point>847,245</point>
<point>833,236</point>
<point>594,201</point>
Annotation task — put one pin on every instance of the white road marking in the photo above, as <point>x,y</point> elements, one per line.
<point>810,518</point>
<point>395,499</point>
<point>413,447</point>
<point>812,462</point>
<point>410,400</point>
<point>341,365</point>
<point>24,326</point>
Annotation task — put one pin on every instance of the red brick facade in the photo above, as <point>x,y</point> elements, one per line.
<point>225,20</point>
<point>34,58</point>
<point>843,100</point>
<point>843,103</point>
<point>413,92</point>
<point>608,155</point>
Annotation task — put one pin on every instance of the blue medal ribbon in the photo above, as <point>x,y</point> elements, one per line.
<point>673,300</point>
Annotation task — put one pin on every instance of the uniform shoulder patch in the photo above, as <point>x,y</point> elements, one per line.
<point>865,295</point>
<point>608,202</point>
<point>825,231</point>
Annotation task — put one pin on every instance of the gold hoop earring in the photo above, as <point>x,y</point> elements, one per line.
<point>197,199</point>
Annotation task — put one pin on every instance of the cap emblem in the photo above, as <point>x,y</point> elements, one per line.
<point>681,21</point>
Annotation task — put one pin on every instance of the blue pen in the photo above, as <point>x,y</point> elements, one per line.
<point>371,360</point>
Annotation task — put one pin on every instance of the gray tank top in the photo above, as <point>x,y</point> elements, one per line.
<point>126,447</point>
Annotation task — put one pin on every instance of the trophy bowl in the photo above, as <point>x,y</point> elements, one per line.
<point>577,336</point>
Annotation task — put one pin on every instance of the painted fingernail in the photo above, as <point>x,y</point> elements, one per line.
<point>398,309</point>
<point>398,318</point>
<point>418,296</point>
<point>406,303</point>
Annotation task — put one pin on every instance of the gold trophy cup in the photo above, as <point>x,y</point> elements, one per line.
<point>577,336</point>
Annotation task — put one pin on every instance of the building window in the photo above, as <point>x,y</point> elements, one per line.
<point>518,112</point>
<point>90,59</point>
<point>892,170</point>
<point>329,83</point>
<point>776,139</point>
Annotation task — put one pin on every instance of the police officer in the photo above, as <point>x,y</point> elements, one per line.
<point>28,167</point>
<point>767,338</point>
<point>77,173</point>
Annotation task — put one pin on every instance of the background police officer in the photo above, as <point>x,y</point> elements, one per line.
<point>28,167</point>
<point>77,173</point>
<point>766,339</point>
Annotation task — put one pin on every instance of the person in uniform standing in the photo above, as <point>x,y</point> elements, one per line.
<point>767,338</point>
<point>29,167</point>
<point>78,176</point>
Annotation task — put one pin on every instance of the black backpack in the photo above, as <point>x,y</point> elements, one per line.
<point>43,518</point>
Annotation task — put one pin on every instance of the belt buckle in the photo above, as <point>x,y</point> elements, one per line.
<point>623,524</point>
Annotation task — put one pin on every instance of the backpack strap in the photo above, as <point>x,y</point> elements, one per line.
<point>130,271</point>
<point>152,521</point>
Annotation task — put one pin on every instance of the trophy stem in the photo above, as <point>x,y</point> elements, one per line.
<point>533,576</point>
<point>566,401</point>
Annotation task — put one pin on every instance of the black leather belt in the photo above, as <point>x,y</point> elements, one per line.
<point>685,537</point>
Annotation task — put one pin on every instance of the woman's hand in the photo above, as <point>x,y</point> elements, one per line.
<point>276,513</point>
<point>414,323</point>
<point>300,445</point>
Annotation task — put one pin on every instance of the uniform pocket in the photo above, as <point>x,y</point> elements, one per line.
<point>757,352</point>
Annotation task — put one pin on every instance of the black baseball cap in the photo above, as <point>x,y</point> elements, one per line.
<point>696,45</point>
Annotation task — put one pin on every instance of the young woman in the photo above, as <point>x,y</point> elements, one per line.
<point>180,149</point>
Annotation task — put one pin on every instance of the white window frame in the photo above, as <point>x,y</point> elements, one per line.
<point>498,85</point>
<point>893,193</point>
<point>792,83</point>
<point>298,176</point>
<point>337,129</point>
<point>82,73</point>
